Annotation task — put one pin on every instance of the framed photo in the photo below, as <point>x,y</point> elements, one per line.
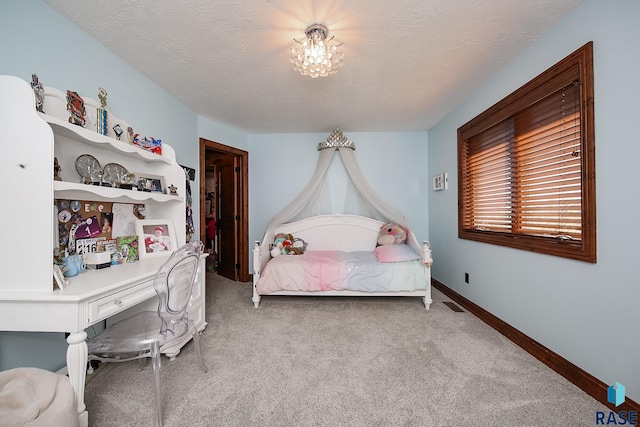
<point>156,237</point>
<point>150,183</point>
<point>127,246</point>
<point>59,278</point>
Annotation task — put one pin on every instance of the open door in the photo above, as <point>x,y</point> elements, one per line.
<point>226,200</point>
<point>228,216</point>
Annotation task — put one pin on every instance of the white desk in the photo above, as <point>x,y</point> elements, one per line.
<point>27,301</point>
<point>91,297</point>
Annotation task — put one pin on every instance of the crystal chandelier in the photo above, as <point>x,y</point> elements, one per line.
<point>316,56</point>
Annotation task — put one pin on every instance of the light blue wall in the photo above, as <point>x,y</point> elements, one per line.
<point>221,134</point>
<point>394,164</point>
<point>36,39</point>
<point>587,313</point>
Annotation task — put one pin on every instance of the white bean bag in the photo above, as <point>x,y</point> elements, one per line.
<point>36,397</point>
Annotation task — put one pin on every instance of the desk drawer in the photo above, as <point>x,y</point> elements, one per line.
<point>108,306</point>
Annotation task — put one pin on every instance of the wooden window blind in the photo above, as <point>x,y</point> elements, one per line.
<point>526,168</point>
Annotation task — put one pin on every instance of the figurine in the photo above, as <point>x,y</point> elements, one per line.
<point>56,170</point>
<point>102,112</point>
<point>102,95</point>
<point>127,183</point>
<point>173,190</point>
<point>75,106</point>
<point>148,143</point>
<point>100,174</point>
<point>39,92</point>
<point>117,129</point>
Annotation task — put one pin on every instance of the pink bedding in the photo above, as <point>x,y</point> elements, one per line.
<point>336,270</point>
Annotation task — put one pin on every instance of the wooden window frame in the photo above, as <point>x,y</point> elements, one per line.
<point>578,65</point>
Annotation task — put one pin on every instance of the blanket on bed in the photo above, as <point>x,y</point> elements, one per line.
<point>340,271</point>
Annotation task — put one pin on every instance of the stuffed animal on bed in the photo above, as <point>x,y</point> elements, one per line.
<point>288,245</point>
<point>391,234</point>
<point>278,245</point>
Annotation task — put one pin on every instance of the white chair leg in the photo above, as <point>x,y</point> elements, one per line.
<point>196,341</point>
<point>142,364</point>
<point>157,394</point>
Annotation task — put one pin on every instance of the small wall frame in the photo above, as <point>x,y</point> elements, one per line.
<point>156,237</point>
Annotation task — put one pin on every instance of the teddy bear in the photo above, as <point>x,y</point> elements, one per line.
<point>391,234</point>
<point>293,250</point>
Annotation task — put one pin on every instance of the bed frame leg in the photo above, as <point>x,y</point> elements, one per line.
<point>255,298</point>
<point>427,260</point>
<point>256,273</point>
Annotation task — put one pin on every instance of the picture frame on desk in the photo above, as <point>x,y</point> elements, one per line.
<point>157,237</point>
<point>150,183</point>
<point>59,278</point>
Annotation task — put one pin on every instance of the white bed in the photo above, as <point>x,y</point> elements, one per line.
<point>340,251</point>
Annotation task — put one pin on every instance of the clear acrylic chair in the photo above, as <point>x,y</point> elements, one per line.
<point>142,336</point>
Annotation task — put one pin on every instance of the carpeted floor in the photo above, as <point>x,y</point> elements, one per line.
<point>330,361</point>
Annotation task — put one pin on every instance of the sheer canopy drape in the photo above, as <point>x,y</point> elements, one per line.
<point>314,199</point>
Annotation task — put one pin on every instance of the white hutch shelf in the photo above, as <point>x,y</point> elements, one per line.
<point>28,300</point>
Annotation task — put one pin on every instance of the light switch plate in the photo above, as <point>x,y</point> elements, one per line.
<point>441,182</point>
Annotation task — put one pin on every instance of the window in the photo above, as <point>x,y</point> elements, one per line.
<point>526,166</point>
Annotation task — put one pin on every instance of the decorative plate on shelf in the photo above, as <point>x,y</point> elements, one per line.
<point>88,167</point>
<point>114,174</point>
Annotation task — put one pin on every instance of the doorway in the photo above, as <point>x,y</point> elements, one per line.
<point>224,213</point>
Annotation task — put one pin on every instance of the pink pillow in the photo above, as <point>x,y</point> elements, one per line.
<point>395,253</point>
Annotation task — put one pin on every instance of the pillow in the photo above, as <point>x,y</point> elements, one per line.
<point>395,253</point>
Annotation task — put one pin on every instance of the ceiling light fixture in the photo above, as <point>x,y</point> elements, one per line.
<point>316,56</point>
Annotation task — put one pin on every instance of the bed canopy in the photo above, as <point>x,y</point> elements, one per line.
<point>360,198</point>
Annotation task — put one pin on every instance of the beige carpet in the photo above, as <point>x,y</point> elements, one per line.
<point>329,361</point>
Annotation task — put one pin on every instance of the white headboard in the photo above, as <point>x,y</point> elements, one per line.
<point>340,232</point>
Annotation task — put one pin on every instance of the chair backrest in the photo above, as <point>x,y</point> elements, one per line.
<point>174,285</point>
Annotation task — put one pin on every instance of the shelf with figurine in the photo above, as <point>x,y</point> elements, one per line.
<point>71,190</point>
<point>87,120</point>
<point>114,180</point>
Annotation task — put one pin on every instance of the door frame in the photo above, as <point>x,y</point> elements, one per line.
<point>243,205</point>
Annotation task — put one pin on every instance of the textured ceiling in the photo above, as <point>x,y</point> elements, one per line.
<point>406,65</point>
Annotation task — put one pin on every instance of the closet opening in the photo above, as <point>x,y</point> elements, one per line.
<point>224,223</point>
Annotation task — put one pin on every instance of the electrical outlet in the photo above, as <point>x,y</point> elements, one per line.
<point>466,277</point>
